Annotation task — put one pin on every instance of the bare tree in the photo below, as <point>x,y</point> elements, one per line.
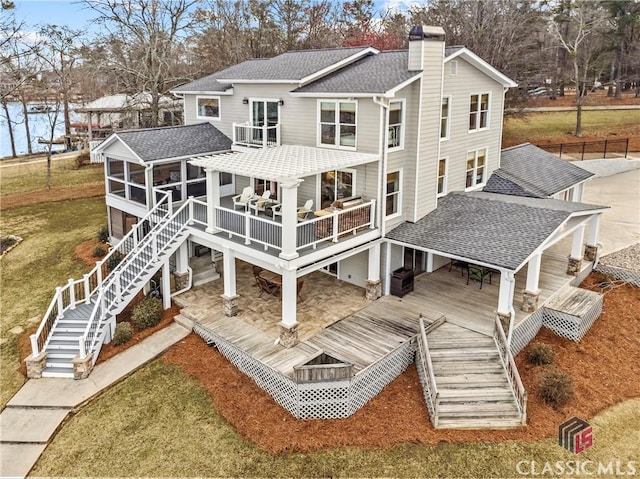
<point>583,42</point>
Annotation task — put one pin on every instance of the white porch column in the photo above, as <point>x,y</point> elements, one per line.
<point>593,236</point>
<point>289,324</point>
<point>505,294</point>
<point>229,298</point>
<point>289,218</point>
<point>576,193</point>
<point>148,180</point>
<point>166,285</point>
<point>181,275</point>
<point>531,292</point>
<point>373,288</point>
<point>213,199</point>
<point>575,259</point>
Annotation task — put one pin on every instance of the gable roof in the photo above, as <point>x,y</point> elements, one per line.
<point>526,170</point>
<point>480,64</point>
<point>153,144</point>
<point>488,228</point>
<point>122,101</point>
<point>203,85</point>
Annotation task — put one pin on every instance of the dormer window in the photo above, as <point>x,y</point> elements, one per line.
<point>337,125</point>
<point>208,107</point>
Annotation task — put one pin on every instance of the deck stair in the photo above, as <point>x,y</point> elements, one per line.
<point>467,385</point>
<point>76,322</point>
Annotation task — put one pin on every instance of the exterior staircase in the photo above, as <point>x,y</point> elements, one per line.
<point>76,323</point>
<point>466,381</point>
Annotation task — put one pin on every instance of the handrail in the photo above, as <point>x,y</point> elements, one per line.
<point>434,395</point>
<point>87,344</point>
<point>40,337</point>
<point>512,371</point>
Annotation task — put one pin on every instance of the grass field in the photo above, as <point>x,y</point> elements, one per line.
<point>559,127</point>
<point>160,422</point>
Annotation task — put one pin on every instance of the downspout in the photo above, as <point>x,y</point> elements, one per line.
<point>382,168</point>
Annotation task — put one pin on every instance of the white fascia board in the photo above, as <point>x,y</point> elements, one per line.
<point>452,256</point>
<point>228,91</point>
<point>338,65</point>
<point>221,80</point>
<point>483,66</point>
<point>100,148</point>
<point>392,93</point>
<point>334,95</point>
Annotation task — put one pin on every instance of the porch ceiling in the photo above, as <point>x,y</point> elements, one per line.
<point>283,163</point>
<point>491,229</point>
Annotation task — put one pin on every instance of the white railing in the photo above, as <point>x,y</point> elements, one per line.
<point>511,370</point>
<point>250,135</point>
<point>130,271</point>
<point>80,291</point>
<point>250,227</point>
<point>431,389</point>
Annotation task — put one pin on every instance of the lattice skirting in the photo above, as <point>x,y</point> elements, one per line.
<point>569,326</point>
<point>524,332</point>
<point>627,275</point>
<point>321,400</point>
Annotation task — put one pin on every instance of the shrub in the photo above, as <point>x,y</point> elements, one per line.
<point>147,313</point>
<point>99,252</point>
<point>103,234</point>
<point>83,159</point>
<point>555,387</point>
<point>540,354</point>
<point>123,333</point>
<point>114,260</point>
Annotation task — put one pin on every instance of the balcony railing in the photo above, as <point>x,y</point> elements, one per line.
<point>261,136</point>
<point>310,233</point>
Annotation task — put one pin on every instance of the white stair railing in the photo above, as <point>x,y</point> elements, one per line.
<point>510,368</point>
<point>85,288</point>
<point>432,396</point>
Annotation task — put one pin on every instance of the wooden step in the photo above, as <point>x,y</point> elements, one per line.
<point>472,380</point>
<point>475,395</point>
<point>499,409</point>
<point>451,368</point>
<point>58,372</point>
<point>465,354</point>
<point>479,423</point>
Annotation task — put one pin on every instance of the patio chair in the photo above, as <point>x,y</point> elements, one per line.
<point>299,287</point>
<point>277,211</point>
<point>304,211</point>
<point>243,198</point>
<point>478,273</point>
<point>261,202</point>
<point>256,273</point>
<point>267,287</point>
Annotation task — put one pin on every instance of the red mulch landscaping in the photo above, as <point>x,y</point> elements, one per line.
<point>602,365</point>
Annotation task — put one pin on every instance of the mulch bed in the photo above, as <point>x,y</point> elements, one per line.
<point>603,368</point>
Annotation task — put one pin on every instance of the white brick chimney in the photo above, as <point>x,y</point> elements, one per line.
<point>426,46</point>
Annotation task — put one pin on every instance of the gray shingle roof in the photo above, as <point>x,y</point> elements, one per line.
<point>154,144</point>
<point>527,170</point>
<point>204,84</point>
<point>488,228</point>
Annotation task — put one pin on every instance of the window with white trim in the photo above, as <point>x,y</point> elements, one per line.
<point>444,117</point>
<point>442,177</point>
<point>396,129</point>
<point>127,180</point>
<point>476,163</point>
<point>393,193</point>
<point>208,107</point>
<point>479,112</point>
<point>337,123</point>
<point>453,68</point>
<point>335,185</point>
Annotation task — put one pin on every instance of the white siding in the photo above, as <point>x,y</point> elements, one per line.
<point>354,269</point>
<point>117,149</point>
<point>460,87</point>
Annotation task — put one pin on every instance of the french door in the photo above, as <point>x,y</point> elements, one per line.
<point>264,113</point>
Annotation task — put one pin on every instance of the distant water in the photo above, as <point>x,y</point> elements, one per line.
<point>39,125</point>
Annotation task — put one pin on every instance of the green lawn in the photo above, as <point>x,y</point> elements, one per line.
<point>160,422</point>
<point>43,260</point>
<point>25,177</point>
<point>549,125</point>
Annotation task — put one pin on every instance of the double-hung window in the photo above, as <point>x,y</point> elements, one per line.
<point>442,177</point>
<point>396,130</point>
<point>394,185</point>
<point>476,162</point>
<point>444,117</point>
<point>208,107</point>
<point>338,123</point>
<point>479,112</point>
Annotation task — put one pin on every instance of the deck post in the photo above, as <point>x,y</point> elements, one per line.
<point>60,302</point>
<point>373,288</point>
<point>575,259</point>
<point>230,297</point>
<point>505,295</point>
<point>289,324</point>
<point>213,198</point>
<point>72,294</point>
<point>166,285</point>
<point>372,214</point>
<point>247,227</point>
<point>289,218</point>
<point>134,228</point>
<point>593,235</point>
<point>531,293</point>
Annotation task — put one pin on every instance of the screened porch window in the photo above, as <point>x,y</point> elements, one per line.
<point>336,185</point>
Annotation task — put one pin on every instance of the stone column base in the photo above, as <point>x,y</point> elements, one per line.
<point>373,290</point>
<point>82,366</point>
<point>530,301</point>
<point>288,335</point>
<point>181,280</point>
<point>574,266</point>
<point>505,319</point>
<point>230,305</point>
<point>590,252</point>
<point>35,365</point>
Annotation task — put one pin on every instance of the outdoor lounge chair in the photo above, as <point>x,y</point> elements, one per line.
<point>243,198</point>
<point>267,287</point>
<point>304,211</point>
<point>478,273</point>
<point>261,202</point>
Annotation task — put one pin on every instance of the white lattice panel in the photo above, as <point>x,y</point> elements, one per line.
<point>524,332</point>
<point>324,400</point>
<point>626,275</point>
<point>569,326</point>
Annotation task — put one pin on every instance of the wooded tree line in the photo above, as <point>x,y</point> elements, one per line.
<point>154,45</point>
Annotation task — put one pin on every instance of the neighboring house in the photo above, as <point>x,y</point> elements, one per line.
<point>369,162</point>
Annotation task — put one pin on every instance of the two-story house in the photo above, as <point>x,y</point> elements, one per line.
<point>350,160</point>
